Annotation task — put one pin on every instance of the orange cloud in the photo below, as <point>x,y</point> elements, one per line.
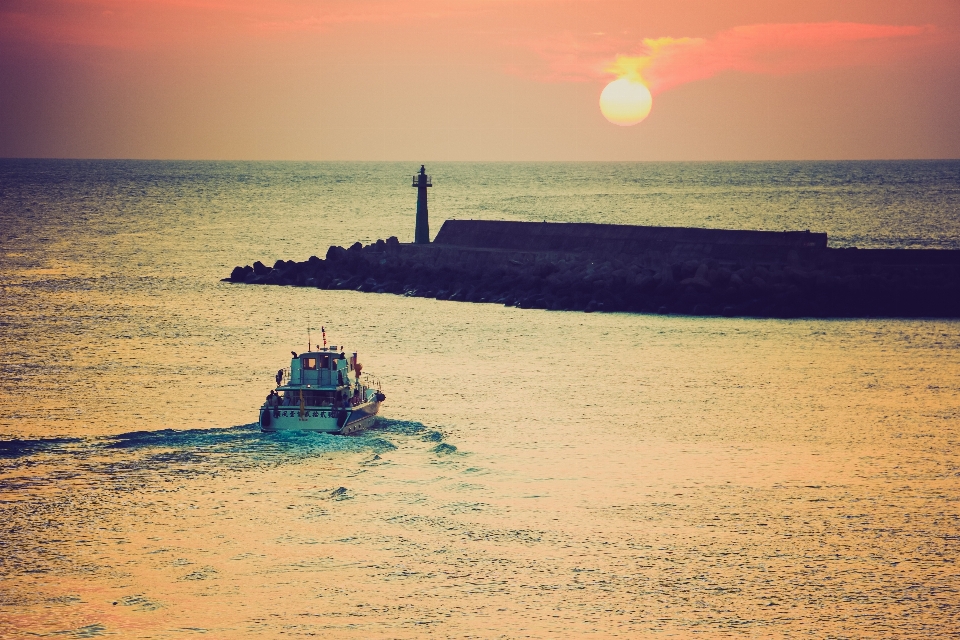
<point>775,49</point>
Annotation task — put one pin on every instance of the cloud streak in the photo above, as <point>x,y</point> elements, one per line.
<point>771,49</point>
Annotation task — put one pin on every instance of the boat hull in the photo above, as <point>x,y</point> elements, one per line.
<point>324,419</point>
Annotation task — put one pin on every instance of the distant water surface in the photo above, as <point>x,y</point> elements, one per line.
<point>536,473</point>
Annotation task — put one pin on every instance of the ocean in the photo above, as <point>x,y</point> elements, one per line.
<point>534,473</point>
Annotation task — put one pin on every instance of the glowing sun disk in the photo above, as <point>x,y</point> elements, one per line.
<point>625,102</point>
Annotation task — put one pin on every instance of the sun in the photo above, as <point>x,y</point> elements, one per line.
<point>625,102</point>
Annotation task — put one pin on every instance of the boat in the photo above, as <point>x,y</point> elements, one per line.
<point>323,390</point>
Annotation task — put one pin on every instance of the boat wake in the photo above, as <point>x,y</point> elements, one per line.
<point>54,489</point>
<point>130,459</point>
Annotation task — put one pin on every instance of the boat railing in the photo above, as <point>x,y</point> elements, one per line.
<point>369,381</point>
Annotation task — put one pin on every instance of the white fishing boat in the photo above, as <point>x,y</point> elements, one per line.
<point>323,390</point>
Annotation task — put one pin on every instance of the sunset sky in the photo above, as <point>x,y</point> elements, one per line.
<point>478,79</point>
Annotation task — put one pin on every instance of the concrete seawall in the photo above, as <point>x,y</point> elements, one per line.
<point>591,267</point>
<point>613,239</point>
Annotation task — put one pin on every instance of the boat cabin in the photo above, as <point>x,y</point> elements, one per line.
<point>320,370</point>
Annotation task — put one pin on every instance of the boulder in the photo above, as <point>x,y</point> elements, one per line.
<point>239,274</point>
<point>336,254</point>
<point>688,269</point>
<point>700,283</point>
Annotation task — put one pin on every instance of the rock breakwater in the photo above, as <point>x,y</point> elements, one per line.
<point>653,270</point>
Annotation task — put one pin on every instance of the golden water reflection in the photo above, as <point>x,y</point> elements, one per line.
<point>658,474</point>
<point>536,474</point>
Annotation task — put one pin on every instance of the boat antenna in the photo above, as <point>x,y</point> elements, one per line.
<point>323,330</point>
<point>308,334</point>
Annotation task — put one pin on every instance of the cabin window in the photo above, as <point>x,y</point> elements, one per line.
<point>309,363</point>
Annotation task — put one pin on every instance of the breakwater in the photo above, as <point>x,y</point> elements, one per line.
<point>597,267</point>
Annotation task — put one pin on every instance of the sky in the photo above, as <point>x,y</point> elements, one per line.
<point>478,80</point>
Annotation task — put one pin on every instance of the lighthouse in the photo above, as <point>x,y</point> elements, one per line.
<point>421,181</point>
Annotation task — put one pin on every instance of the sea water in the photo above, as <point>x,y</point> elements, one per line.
<point>534,474</point>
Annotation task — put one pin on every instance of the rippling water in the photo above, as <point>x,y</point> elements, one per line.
<point>536,473</point>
